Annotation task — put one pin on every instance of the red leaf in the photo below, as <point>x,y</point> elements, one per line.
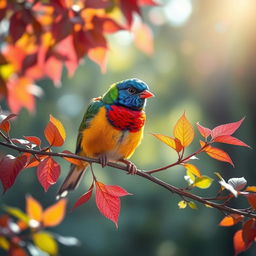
<point>95,4</point>
<point>249,231</point>
<point>217,153</point>
<point>10,168</point>
<point>226,129</point>
<point>116,191</point>
<point>17,25</point>
<point>238,242</point>
<point>55,132</point>
<point>205,132</point>
<point>5,124</point>
<point>148,2</point>
<point>15,250</point>
<point>33,139</point>
<point>66,48</point>
<point>230,140</point>
<point>252,200</point>
<point>48,172</point>
<point>106,201</point>
<point>84,198</point>
<point>128,8</point>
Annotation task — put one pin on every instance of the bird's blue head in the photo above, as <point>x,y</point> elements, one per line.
<point>130,93</point>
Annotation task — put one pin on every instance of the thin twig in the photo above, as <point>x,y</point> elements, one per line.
<point>144,174</point>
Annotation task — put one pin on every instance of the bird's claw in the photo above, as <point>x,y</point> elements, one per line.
<point>131,167</point>
<point>103,160</point>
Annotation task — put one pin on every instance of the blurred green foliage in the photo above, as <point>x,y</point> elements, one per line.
<point>205,65</point>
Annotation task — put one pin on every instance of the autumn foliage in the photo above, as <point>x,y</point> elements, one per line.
<point>24,233</point>
<point>107,197</point>
<point>44,36</point>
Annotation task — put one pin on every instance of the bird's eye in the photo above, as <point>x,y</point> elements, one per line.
<point>132,90</point>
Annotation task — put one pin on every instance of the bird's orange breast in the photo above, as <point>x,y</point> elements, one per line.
<point>102,138</point>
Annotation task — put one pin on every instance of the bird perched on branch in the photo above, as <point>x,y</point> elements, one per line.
<point>111,129</point>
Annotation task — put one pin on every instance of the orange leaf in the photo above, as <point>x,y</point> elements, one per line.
<point>34,208</point>
<point>99,55</point>
<point>20,94</point>
<point>239,243</point>
<point>231,220</point>
<point>183,130</point>
<point>169,141</point>
<point>33,139</point>
<point>217,153</point>
<point>72,160</point>
<point>252,200</point>
<point>5,124</point>
<point>54,214</point>
<point>143,38</point>
<point>251,189</point>
<point>193,169</point>
<point>55,132</point>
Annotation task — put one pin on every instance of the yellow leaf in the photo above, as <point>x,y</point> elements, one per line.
<point>4,243</point>
<point>19,214</point>
<point>169,141</point>
<point>193,169</point>
<point>192,205</point>
<point>54,214</point>
<point>34,209</point>
<point>203,182</point>
<point>191,176</point>
<point>45,242</point>
<point>184,131</point>
<point>182,204</point>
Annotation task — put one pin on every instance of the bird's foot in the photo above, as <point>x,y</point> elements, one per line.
<point>103,160</point>
<point>131,167</point>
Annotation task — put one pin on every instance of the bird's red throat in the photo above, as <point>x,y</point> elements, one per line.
<point>126,119</point>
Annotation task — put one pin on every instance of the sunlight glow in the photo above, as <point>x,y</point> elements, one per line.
<point>178,12</point>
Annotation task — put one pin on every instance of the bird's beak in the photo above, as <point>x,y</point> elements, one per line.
<point>146,94</point>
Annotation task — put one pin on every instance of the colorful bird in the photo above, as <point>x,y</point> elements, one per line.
<point>111,129</point>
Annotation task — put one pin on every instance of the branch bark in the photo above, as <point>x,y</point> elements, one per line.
<point>144,174</point>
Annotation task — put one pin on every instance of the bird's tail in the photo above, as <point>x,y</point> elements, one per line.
<point>72,180</point>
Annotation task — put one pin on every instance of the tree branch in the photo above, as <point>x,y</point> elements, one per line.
<point>221,207</point>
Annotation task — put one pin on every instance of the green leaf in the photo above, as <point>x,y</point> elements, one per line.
<point>46,242</point>
<point>203,182</point>
<point>182,204</point>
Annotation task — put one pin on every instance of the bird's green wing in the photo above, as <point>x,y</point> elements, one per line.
<point>90,113</point>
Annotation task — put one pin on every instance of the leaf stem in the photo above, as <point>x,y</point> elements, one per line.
<point>179,161</point>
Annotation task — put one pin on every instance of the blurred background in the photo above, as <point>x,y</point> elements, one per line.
<point>204,63</point>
